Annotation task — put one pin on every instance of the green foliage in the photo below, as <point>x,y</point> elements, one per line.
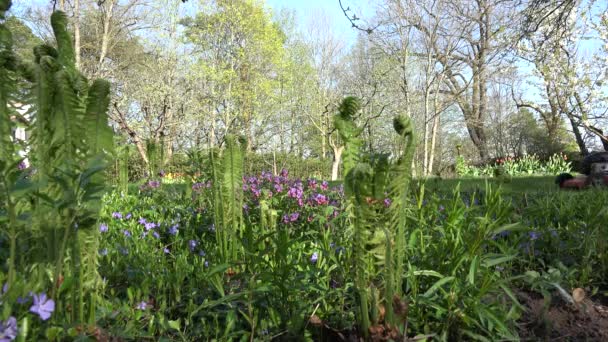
<point>526,165</point>
<point>231,189</point>
<point>57,205</point>
<point>362,185</point>
<point>344,122</point>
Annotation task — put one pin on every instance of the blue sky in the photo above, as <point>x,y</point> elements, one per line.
<point>306,9</point>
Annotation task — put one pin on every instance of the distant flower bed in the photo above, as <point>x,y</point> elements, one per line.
<point>516,166</point>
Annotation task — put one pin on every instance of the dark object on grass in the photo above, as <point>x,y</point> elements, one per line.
<point>567,181</point>
<point>559,180</point>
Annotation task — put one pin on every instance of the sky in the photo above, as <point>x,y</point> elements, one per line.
<point>307,9</point>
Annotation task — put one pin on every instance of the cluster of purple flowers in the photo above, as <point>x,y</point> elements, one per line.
<point>174,229</point>
<point>291,218</point>
<point>319,199</point>
<point>199,186</point>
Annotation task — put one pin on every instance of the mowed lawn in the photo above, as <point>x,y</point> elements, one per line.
<point>516,185</point>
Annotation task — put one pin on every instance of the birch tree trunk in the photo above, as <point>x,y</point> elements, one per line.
<point>77,32</point>
<point>335,165</point>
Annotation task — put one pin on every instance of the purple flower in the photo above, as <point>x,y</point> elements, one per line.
<point>534,235</point>
<point>161,173</point>
<point>387,202</point>
<point>206,263</point>
<point>324,185</point>
<point>21,165</point>
<point>128,216</point>
<point>103,228</point>
<point>8,329</point>
<point>246,207</point>
<point>142,221</point>
<point>154,184</point>
<point>166,250</point>
<point>290,218</point>
<point>22,300</point>
<point>103,252</point>
<point>150,225</point>
<point>192,245</point>
<point>312,183</point>
<point>314,258</point>
<point>202,253</point>
<point>295,192</point>
<point>5,288</point>
<point>278,188</point>
<point>142,306</point>
<point>284,173</point>
<point>126,233</point>
<point>321,199</point>
<point>173,230</point>
<point>116,215</point>
<point>43,306</point>
<point>156,235</point>
<point>197,186</point>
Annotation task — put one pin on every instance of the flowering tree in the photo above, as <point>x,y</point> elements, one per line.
<point>572,84</point>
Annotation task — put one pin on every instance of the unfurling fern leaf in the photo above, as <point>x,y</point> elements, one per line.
<point>232,191</point>
<point>399,187</point>
<point>357,187</point>
<point>99,135</point>
<point>349,132</point>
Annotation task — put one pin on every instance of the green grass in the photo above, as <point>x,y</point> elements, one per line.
<point>516,185</point>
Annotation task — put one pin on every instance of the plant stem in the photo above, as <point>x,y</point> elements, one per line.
<point>12,221</point>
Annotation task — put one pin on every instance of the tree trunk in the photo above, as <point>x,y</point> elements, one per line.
<point>105,38</point>
<point>77,32</point>
<point>434,130</point>
<point>425,161</point>
<point>579,136</point>
<point>335,166</point>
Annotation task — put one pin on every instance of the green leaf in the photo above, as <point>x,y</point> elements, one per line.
<point>497,261</point>
<point>175,324</point>
<point>437,285</point>
<point>472,271</point>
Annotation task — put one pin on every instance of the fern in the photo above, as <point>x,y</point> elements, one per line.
<point>232,191</point>
<point>357,187</point>
<point>344,122</point>
<point>8,66</point>
<point>401,177</point>
<point>99,135</point>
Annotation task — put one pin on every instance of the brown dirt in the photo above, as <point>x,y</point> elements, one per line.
<point>562,321</point>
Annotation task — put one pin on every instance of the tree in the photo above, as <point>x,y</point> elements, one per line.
<point>572,84</point>
<point>466,39</point>
<point>238,48</point>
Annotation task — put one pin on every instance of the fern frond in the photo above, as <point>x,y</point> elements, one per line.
<point>349,132</point>
<point>232,188</point>
<point>98,134</point>
<point>399,192</point>
<point>59,23</point>
<point>357,187</point>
